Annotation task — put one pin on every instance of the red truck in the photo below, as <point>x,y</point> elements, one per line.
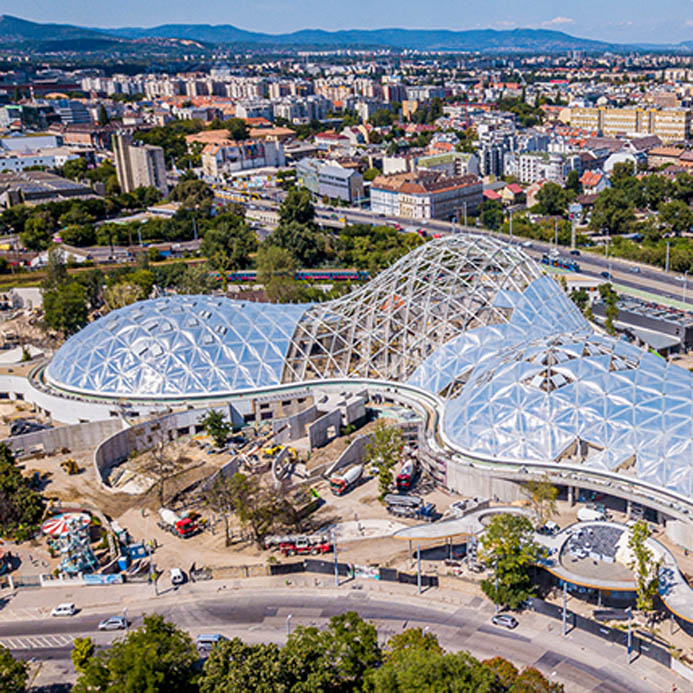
<point>182,527</point>
<point>342,483</point>
<point>291,548</point>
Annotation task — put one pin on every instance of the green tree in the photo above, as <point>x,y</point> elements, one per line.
<point>612,212</point>
<point>65,308</point>
<point>552,199</point>
<point>491,214</point>
<point>14,673</point>
<point>297,207</point>
<point>676,215</point>
<point>192,193</point>
<point>413,662</point>
<point>38,231</point>
<point>384,449</point>
<point>645,566</point>
<point>82,651</point>
<point>303,241</point>
<point>228,246</point>
<point>371,174</point>
<point>56,272</point>
<point>610,299</point>
<point>103,116</point>
<point>75,168</point>
<point>542,496</point>
<point>508,545</point>
<point>236,666</point>
<point>238,129</point>
<point>580,298</point>
<point>78,235</point>
<point>572,182</point>
<point>156,657</point>
<point>216,426</point>
<point>20,506</point>
<point>334,659</point>
<point>273,261</point>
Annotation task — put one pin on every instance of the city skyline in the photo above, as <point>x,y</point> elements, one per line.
<point>617,22</point>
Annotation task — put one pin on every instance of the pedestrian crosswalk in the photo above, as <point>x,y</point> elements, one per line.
<point>23,614</point>
<point>36,642</point>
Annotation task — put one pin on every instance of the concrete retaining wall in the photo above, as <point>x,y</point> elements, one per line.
<point>473,481</point>
<point>116,449</point>
<point>294,427</point>
<point>354,454</point>
<point>76,437</point>
<point>318,431</point>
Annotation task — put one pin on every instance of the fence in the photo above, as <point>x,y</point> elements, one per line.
<point>640,645</point>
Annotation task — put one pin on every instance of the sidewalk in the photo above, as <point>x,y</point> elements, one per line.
<point>580,660</point>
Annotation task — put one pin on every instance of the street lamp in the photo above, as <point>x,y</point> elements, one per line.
<point>288,624</point>
<point>685,284</point>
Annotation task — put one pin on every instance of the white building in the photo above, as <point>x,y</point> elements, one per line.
<point>230,157</point>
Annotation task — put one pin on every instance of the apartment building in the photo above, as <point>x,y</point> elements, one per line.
<point>531,167</point>
<point>425,195</point>
<point>139,165</point>
<point>328,180</point>
<point>228,156</point>
<point>669,124</point>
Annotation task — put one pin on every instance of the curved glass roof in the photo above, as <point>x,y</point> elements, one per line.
<point>178,346</point>
<point>522,376</point>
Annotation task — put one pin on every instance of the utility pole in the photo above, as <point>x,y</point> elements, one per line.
<point>288,624</point>
<point>336,563</point>
<point>465,212</point>
<point>630,634</point>
<point>555,232</point>
<point>511,224</point>
<point>685,284</point>
<point>565,607</point>
<point>666,264</point>
<point>418,568</point>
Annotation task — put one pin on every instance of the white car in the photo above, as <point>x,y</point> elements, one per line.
<point>65,609</point>
<point>527,244</point>
<point>177,576</point>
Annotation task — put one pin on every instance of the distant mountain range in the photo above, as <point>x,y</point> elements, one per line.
<point>20,32</point>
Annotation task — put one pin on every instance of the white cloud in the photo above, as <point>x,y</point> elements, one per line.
<point>558,21</point>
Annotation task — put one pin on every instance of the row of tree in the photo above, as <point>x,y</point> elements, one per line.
<point>343,657</point>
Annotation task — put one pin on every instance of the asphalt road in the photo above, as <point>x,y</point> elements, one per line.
<point>580,660</point>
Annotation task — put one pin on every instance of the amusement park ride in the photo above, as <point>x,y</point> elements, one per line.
<point>69,537</point>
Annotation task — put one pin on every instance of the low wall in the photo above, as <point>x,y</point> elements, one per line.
<point>76,437</point>
<point>474,481</point>
<point>116,449</point>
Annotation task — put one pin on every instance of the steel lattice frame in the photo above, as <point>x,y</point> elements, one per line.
<point>388,327</point>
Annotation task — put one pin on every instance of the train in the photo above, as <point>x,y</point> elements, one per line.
<point>304,275</point>
<point>563,263</point>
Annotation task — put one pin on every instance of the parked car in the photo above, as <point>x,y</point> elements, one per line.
<point>206,641</point>
<point>64,609</point>
<point>177,576</point>
<point>527,244</point>
<point>635,269</point>
<point>574,252</point>
<point>113,623</point>
<point>606,275</point>
<point>505,620</point>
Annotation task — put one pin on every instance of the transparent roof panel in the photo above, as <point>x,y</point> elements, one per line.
<point>178,346</point>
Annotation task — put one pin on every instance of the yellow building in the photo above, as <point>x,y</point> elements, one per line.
<point>670,125</point>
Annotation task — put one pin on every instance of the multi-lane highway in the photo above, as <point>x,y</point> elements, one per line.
<point>580,660</point>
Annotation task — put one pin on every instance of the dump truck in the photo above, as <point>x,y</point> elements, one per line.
<point>408,475</point>
<point>178,525</point>
<point>410,506</point>
<point>342,483</point>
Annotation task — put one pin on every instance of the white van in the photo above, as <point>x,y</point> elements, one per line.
<point>65,609</point>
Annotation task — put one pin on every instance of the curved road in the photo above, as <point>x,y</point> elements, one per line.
<point>579,660</point>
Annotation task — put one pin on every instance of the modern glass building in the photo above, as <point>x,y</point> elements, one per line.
<point>517,374</point>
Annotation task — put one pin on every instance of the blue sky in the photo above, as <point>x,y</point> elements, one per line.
<point>612,20</point>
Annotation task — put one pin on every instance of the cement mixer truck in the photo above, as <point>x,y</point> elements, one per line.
<point>344,482</point>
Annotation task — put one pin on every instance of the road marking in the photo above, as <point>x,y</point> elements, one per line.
<point>45,641</point>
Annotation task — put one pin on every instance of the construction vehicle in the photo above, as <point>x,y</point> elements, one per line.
<point>410,506</point>
<point>272,450</point>
<point>408,475</point>
<point>70,467</point>
<point>342,483</point>
<point>275,540</point>
<point>178,525</point>
<point>302,546</point>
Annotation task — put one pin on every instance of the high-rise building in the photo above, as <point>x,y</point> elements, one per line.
<point>139,165</point>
